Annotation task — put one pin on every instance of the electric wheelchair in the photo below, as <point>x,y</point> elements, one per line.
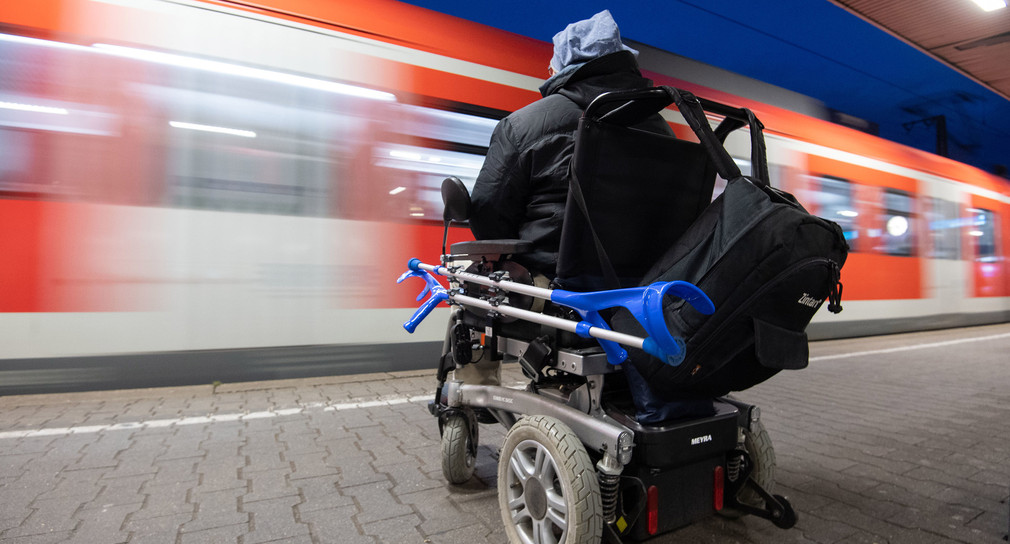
<point>576,464</point>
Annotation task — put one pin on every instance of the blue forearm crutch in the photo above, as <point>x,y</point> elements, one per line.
<point>644,303</point>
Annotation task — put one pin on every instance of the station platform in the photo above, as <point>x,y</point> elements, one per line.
<point>896,439</point>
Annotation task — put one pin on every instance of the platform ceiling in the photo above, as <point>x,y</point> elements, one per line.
<point>895,63</point>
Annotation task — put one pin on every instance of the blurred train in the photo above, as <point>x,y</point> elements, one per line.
<point>211,191</point>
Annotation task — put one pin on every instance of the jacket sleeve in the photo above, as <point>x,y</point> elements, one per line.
<point>502,187</point>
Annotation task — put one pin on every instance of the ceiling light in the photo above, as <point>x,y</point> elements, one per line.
<point>990,5</point>
<point>398,190</point>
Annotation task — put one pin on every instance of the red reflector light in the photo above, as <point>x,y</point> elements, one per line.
<point>652,508</point>
<point>718,482</point>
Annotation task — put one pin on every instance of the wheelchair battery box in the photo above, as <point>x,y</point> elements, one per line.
<point>681,442</point>
<point>676,463</point>
<point>679,496</point>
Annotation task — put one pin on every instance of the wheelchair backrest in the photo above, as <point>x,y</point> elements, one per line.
<point>640,188</point>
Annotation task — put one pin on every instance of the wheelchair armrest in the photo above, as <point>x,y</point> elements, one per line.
<point>491,248</point>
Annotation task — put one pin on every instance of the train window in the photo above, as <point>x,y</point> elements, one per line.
<point>58,122</point>
<point>983,232</point>
<point>834,199</point>
<point>945,223</point>
<point>898,235</point>
<point>424,146</point>
<point>254,147</point>
<point>15,157</point>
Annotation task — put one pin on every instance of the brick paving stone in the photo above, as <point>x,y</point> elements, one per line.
<point>356,470</point>
<point>464,533</point>
<point>356,419</point>
<point>273,519</point>
<point>102,452</point>
<point>48,516</point>
<point>216,509</point>
<point>376,502</point>
<point>43,444</point>
<point>217,535</point>
<point>176,470</point>
<point>80,485</point>
<point>117,491</point>
<point>21,492</point>
<point>155,529</point>
<point>268,485</point>
<point>310,465</point>
<point>102,523</point>
<point>14,465</point>
<point>408,478</point>
<point>165,500</point>
<point>47,538</point>
<point>321,494</point>
<point>398,529</point>
<point>337,525</point>
<point>438,514</point>
<point>262,452</point>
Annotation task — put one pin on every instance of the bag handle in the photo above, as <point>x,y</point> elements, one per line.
<point>693,110</point>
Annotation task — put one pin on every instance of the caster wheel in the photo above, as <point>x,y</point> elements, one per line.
<point>459,456</point>
<point>788,516</point>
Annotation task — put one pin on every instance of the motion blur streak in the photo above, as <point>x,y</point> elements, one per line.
<point>197,191</point>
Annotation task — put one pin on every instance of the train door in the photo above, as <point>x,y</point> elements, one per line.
<point>946,271</point>
<point>985,230</point>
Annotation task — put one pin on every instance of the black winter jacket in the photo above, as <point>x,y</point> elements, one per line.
<point>523,184</point>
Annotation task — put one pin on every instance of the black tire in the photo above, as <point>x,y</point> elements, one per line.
<point>547,486</point>
<point>458,462</point>
<point>759,446</point>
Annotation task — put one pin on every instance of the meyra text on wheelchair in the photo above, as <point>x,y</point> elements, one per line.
<point>578,465</point>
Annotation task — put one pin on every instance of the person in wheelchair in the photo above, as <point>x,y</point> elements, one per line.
<point>522,187</point>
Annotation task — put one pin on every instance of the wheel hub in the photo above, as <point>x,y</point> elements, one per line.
<point>536,498</point>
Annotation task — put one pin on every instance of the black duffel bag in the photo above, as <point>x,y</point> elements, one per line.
<point>766,263</point>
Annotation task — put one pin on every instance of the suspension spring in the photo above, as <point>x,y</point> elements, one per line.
<point>733,467</point>
<point>609,486</point>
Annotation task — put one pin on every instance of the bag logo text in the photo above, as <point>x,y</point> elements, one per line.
<point>808,300</point>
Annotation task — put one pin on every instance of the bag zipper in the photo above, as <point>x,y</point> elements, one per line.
<point>835,295</point>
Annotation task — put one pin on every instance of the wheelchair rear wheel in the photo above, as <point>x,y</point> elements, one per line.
<point>547,486</point>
